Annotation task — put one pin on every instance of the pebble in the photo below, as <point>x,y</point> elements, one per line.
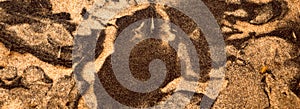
<point>32,75</point>
<point>264,15</point>
<point>8,73</point>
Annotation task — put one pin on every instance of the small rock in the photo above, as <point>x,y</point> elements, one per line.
<point>34,75</point>
<point>259,1</point>
<point>8,73</point>
<point>264,15</point>
<point>226,29</point>
<point>233,1</point>
<point>240,62</point>
<point>237,13</point>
